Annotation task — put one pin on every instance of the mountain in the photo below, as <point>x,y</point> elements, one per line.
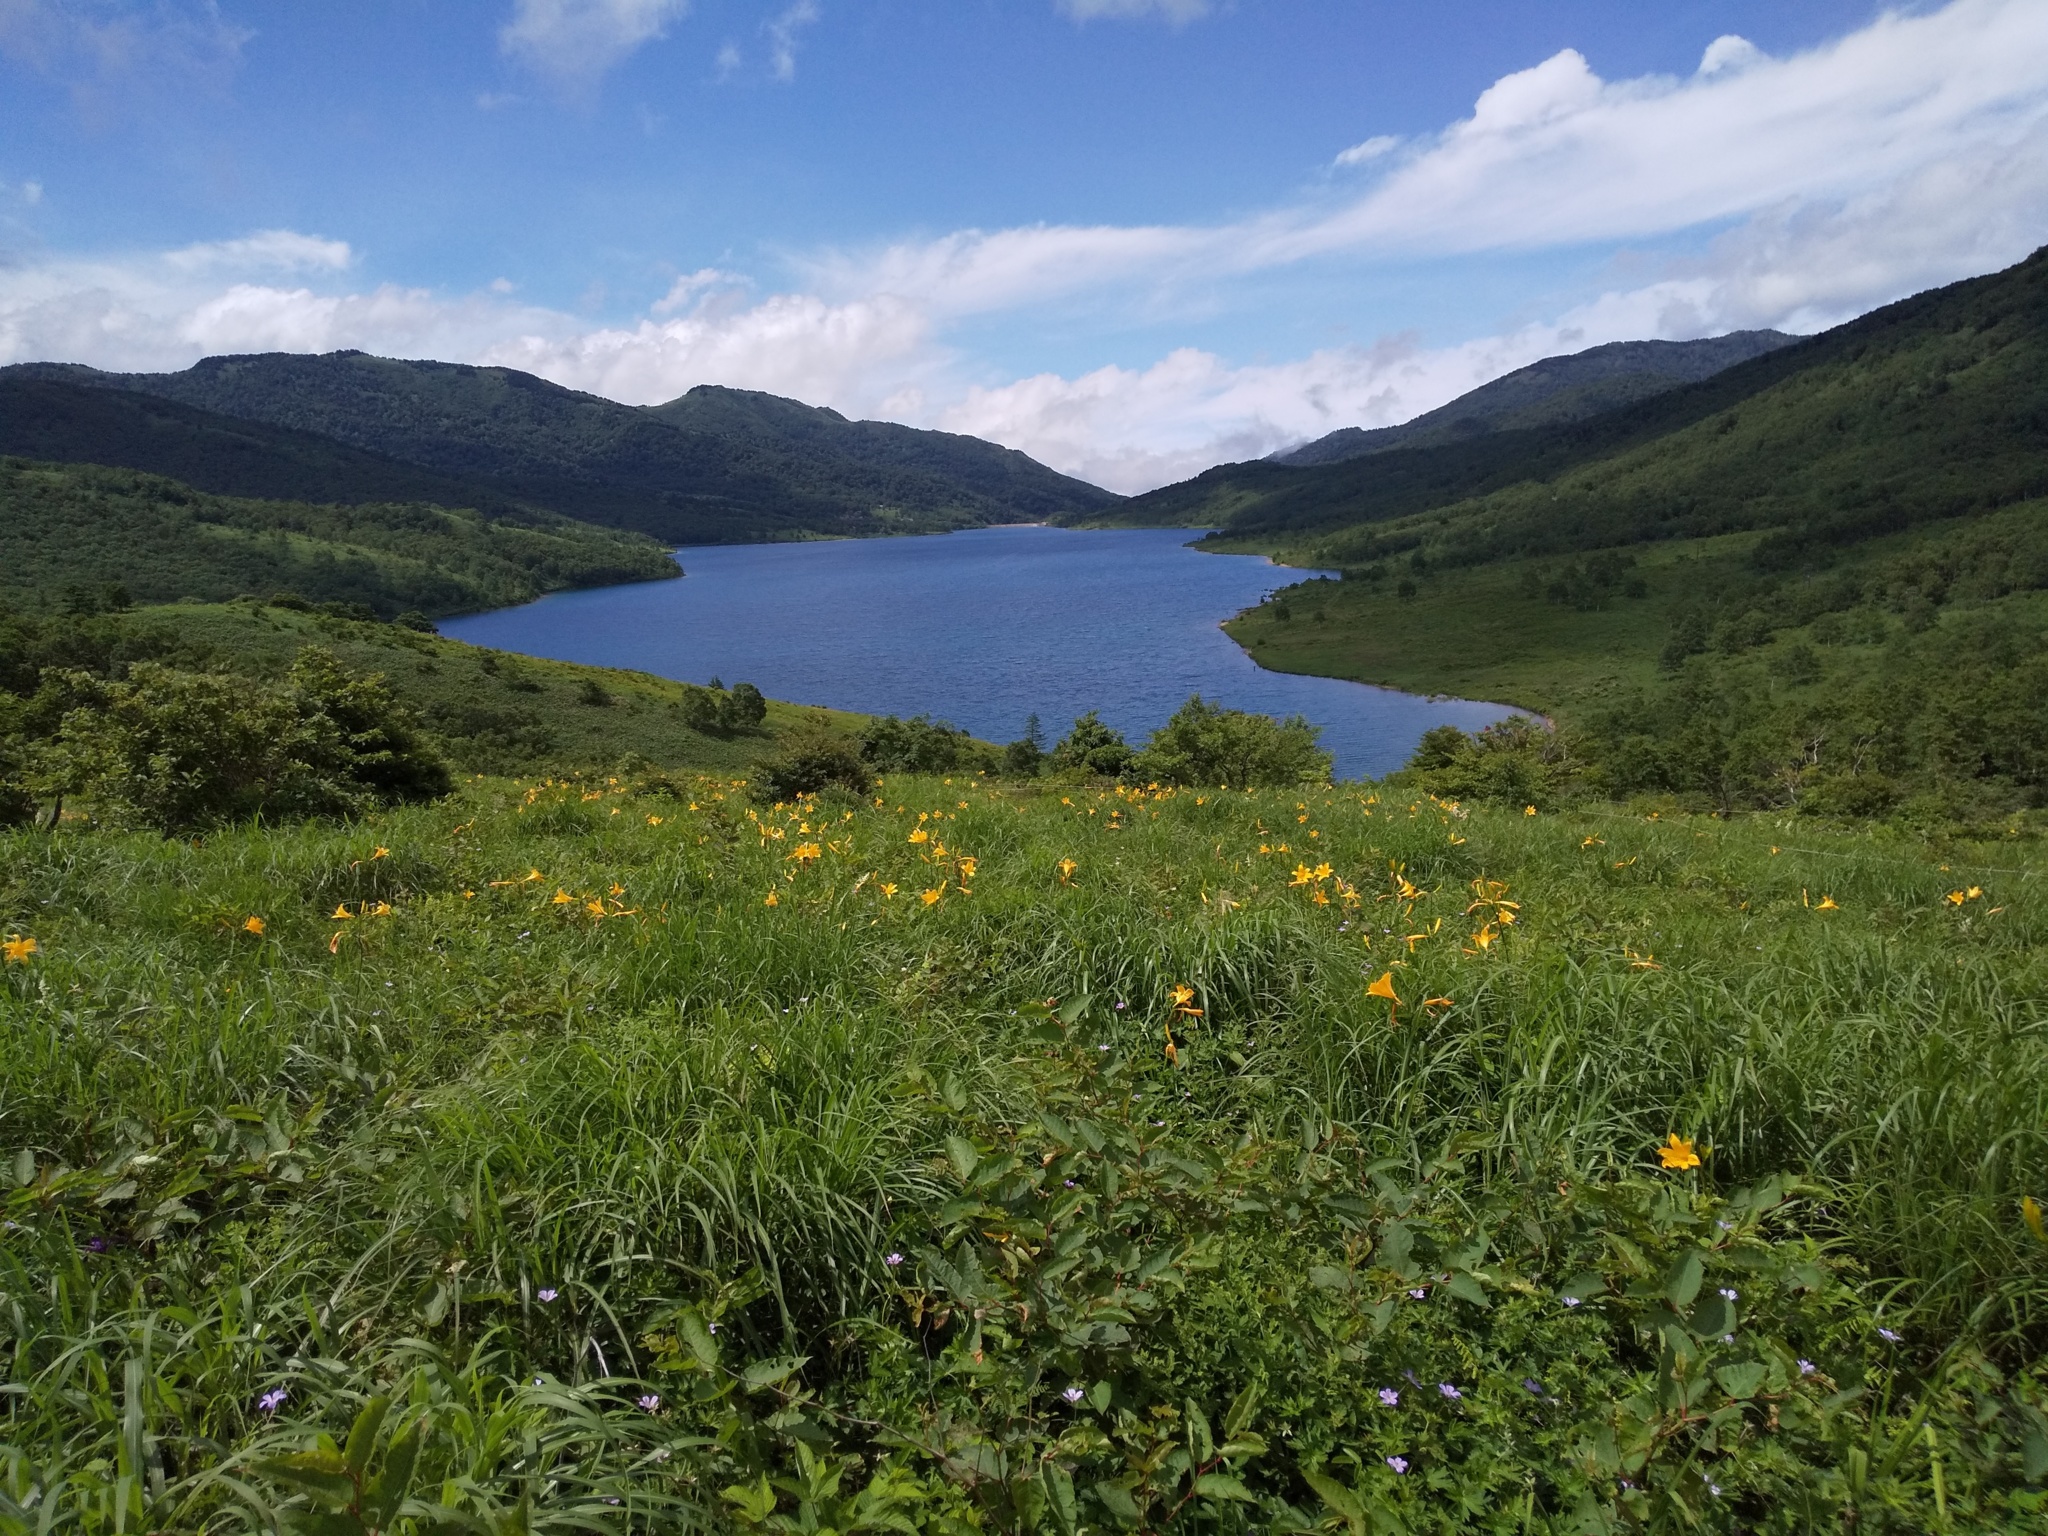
<point>728,467</point>
<point>49,419</point>
<point>1550,392</point>
<point>71,532</point>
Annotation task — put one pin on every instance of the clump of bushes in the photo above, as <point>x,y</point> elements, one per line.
<point>175,751</point>
<point>813,759</point>
<point>713,711</point>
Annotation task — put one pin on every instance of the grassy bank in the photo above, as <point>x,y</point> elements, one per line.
<point>670,1162</point>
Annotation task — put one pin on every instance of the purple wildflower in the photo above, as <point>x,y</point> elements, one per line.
<point>651,1402</point>
<point>1887,1335</point>
<point>1072,1394</point>
<point>1398,1463</point>
<point>272,1400</point>
<point>1390,1397</point>
<point>1571,1301</point>
<point>1448,1390</point>
<point>1807,1367</point>
<point>1418,1293</point>
<point>547,1295</point>
<point>893,1260</point>
<point>1532,1386</point>
<point>1730,1295</point>
<point>97,1245</point>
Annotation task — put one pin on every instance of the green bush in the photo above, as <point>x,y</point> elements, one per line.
<point>174,750</point>
<point>917,745</point>
<point>1092,748</point>
<point>1204,743</point>
<point>813,758</point>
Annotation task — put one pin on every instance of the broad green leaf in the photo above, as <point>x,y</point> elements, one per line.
<point>754,1501</point>
<point>1058,1488</point>
<point>1713,1317</point>
<point>1342,1501</point>
<point>1118,1502</point>
<point>362,1435</point>
<point>1241,1411</point>
<point>1216,1485</point>
<point>964,1155</point>
<point>1683,1282</point>
<point>703,1346</point>
<point>1466,1288</point>
<point>1741,1380</point>
<point>767,1373</point>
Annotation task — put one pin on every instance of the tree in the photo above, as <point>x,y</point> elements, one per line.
<point>917,745</point>
<point>1204,743</point>
<point>813,757</point>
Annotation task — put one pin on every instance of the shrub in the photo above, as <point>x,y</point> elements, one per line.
<point>1092,747</point>
<point>1204,743</point>
<point>814,757</point>
<point>175,750</point>
<point>917,745</point>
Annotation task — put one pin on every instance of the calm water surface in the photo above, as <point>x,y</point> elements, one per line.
<point>982,628</point>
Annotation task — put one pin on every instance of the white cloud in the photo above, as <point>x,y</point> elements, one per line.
<point>1904,156</point>
<point>120,57</point>
<point>280,249</point>
<point>575,41</point>
<point>1372,149</point>
<point>782,36</point>
<point>1175,11</point>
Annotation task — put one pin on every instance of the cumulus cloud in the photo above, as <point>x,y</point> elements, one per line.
<point>1905,155</point>
<point>1175,11</point>
<point>575,41</point>
<point>1372,149</point>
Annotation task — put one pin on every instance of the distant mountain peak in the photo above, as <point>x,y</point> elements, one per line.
<point>1550,392</point>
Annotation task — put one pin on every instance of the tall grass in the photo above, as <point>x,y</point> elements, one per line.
<point>367,1145</point>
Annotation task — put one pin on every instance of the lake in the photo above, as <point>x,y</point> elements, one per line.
<point>982,628</point>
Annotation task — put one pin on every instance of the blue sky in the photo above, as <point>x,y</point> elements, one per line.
<point>1133,237</point>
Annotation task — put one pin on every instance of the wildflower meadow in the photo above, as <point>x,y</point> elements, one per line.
<point>620,1154</point>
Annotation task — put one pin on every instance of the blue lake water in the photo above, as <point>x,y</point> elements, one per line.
<point>983,628</point>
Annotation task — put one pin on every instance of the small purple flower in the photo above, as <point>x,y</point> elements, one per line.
<point>1418,1293</point>
<point>1072,1394</point>
<point>1887,1335</point>
<point>893,1260</point>
<point>1730,1295</point>
<point>1725,1226</point>
<point>1121,1006</point>
<point>1532,1386</point>
<point>1399,1464</point>
<point>1714,1489</point>
<point>547,1295</point>
<point>1390,1397</point>
<point>651,1402</point>
<point>1448,1390</point>
<point>1807,1367</point>
<point>712,1326</point>
<point>1571,1301</point>
<point>272,1400</point>
<point>1071,1184</point>
<point>97,1245</point>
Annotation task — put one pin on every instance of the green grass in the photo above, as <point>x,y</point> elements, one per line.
<point>346,1156</point>
<point>490,711</point>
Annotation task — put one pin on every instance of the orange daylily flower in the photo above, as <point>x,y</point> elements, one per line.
<point>772,900</point>
<point>562,898</point>
<point>1383,986</point>
<point>253,925</point>
<point>932,896</point>
<point>1677,1153</point>
<point>343,911</point>
<point>18,949</point>
<point>919,835</point>
<point>888,890</point>
<point>381,853</point>
<point>2030,1213</point>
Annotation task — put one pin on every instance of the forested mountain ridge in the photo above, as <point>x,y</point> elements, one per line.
<point>1549,392</point>
<point>729,467</point>
<point>1939,395</point>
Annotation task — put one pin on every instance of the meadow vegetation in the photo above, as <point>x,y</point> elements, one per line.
<point>620,1152</point>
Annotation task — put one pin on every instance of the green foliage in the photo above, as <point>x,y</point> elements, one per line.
<point>1091,748</point>
<point>917,745</point>
<point>177,751</point>
<point>1203,743</point>
<point>590,1163</point>
<point>85,529</point>
<point>714,465</point>
<point>811,760</point>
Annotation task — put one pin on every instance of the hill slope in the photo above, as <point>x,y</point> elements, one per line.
<point>1550,392</point>
<point>70,526</point>
<point>721,469</point>
<point>50,419</point>
<point>1829,592</point>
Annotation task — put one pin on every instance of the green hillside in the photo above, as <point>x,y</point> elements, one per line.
<point>485,711</point>
<point>59,422</point>
<point>69,527</point>
<point>1826,594</point>
<point>1550,392</point>
<point>728,467</point>
<point>1926,407</point>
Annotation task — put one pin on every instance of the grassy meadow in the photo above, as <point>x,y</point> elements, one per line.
<point>614,1154</point>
